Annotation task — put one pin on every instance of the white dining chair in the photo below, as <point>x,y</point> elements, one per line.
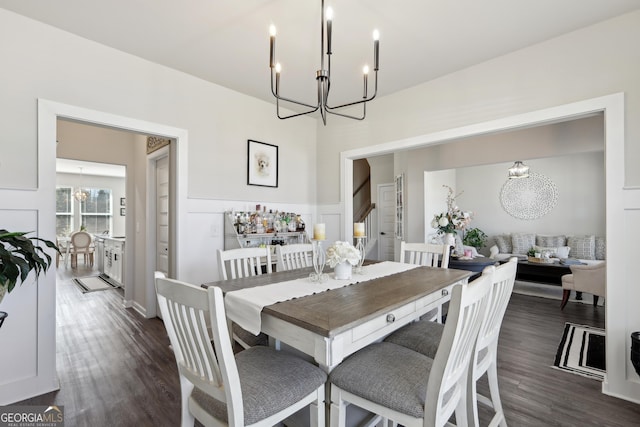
<point>239,263</point>
<point>409,388</point>
<point>424,337</point>
<point>430,255</point>
<point>292,257</point>
<point>244,262</point>
<point>257,387</point>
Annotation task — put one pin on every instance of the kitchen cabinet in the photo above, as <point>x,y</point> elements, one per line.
<point>113,259</point>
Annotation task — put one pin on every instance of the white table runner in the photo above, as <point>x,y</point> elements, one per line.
<point>244,306</point>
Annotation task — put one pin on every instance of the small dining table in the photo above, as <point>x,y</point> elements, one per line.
<point>331,325</point>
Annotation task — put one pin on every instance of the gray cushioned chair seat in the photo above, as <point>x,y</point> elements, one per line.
<point>423,337</point>
<point>388,374</point>
<point>250,339</point>
<point>270,381</point>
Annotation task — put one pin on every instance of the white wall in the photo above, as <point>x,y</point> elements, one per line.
<point>46,63</point>
<point>580,209</point>
<point>116,185</point>
<point>435,200</point>
<point>381,173</point>
<point>584,65</point>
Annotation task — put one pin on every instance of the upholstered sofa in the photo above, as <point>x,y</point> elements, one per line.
<point>586,249</point>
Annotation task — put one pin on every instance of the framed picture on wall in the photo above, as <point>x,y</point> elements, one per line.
<point>262,164</point>
<point>122,211</point>
<point>122,201</point>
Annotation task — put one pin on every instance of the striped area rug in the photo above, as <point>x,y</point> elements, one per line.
<point>582,351</point>
<point>94,283</point>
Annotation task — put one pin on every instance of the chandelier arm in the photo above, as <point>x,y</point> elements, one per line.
<point>292,115</point>
<point>362,101</point>
<point>364,113</point>
<point>278,97</point>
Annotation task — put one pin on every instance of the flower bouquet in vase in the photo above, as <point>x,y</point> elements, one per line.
<point>448,223</point>
<point>342,257</point>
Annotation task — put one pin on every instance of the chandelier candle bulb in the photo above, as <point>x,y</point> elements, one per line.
<point>365,72</point>
<point>358,229</point>
<point>272,46</point>
<point>329,19</point>
<point>319,232</point>
<point>376,49</point>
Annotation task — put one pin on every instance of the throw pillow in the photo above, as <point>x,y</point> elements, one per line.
<point>504,243</point>
<point>551,241</point>
<point>522,242</point>
<point>493,251</point>
<point>601,248</point>
<point>582,247</point>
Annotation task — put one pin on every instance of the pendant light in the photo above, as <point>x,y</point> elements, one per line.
<point>80,195</point>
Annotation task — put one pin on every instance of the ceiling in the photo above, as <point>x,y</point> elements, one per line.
<point>227,42</point>
<point>89,168</point>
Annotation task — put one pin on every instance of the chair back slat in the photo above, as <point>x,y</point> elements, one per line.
<point>448,376</point>
<point>244,262</point>
<point>503,281</point>
<point>187,313</point>
<point>427,254</point>
<point>293,257</point>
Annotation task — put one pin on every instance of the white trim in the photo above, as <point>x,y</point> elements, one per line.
<point>618,382</point>
<point>48,113</point>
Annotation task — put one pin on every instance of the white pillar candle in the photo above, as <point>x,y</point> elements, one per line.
<point>319,232</point>
<point>358,229</point>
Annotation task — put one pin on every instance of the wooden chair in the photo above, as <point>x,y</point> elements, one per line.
<point>585,278</point>
<point>409,388</point>
<point>257,387</point>
<point>81,243</point>
<point>424,337</point>
<point>245,262</point>
<point>430,255</point>
<point>292,257</point>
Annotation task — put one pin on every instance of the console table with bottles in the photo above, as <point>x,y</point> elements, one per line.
<point>261,228</point>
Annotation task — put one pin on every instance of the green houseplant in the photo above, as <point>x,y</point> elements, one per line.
<point>475,237</point>
<point>19,255</point>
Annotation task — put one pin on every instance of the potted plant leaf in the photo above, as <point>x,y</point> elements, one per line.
<point>19,255</point>
<point>475,237</point>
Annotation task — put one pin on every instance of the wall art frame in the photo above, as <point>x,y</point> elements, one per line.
<point>262,164</point>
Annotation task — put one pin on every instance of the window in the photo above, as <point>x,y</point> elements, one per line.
<point>96,212</point>
<point>64,211</point>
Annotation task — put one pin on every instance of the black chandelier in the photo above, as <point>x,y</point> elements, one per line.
<point>323,76</point>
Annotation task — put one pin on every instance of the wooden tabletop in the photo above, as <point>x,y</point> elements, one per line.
<point>332,312</point>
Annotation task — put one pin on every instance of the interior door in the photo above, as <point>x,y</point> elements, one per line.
<point>162,215</point>
<point>386,221</point>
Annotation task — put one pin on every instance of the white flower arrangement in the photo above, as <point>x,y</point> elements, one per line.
<point>340,252</point>
<point>453,219</point>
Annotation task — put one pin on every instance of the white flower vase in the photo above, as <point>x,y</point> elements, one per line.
<point>449,239</point>
<point>343,271</point>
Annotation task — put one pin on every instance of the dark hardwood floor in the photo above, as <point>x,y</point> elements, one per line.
<point>116,368</point>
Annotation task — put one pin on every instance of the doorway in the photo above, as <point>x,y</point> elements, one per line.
<point>386,221</point>
<point>90,197</point>
<point>142,297</point>
<point>613,108</point>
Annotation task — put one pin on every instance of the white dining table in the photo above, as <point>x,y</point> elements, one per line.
<point>331,325</point>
